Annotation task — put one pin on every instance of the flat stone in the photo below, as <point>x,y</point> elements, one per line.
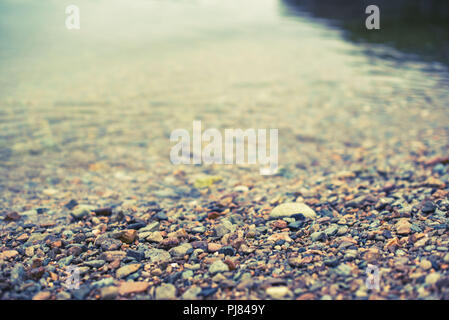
<point>224,228</point>
<point>155,237</point>
<point>8,254</point>
<point>343,270</point>
<point>446,258</point>
<point>425,264</point>
<point>206,181</point>
<point>81,211</point>
<point>157,255</point>
<point>432,278</point>
<point>109,293</point>
<point>12,216</point>
<point>181,251</point>
<point>50,192</point>
<point>43,295</point>
<point>187,274</point>
<point>95,263</point>
<point>113,255</point>
<point>213,247</point>
<point>286,210</point>
<point>105,282</point>
<point>331,231</point>
<point>218,266</point>
<point>403,227</point>
<point>151,227</point>
<point>191,293</point>
<point>278,292</point>
<point>317,236</point>
<point>127,270</point>
<point>107,244</point>
<point>372,255</point>
<point>129,287</point>
<point>227,251</point>
<point>280,236</point>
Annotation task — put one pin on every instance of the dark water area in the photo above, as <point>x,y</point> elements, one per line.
<point>417,29</point>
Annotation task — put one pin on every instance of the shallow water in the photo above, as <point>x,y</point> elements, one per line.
<point>135,72</point>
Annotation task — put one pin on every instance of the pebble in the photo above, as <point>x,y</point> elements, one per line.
<point>428,207</point>
<point>187,274</point>
<point>331,231</point>
<point>227,251</point>
<point>283,237</point>
<point>317,236</point>
<point>218,266</point>
<point>213,247</point>
<point>103,283</point>
<point>200,229</point>
<point>432,278</point>
<point>43,295</point>
<point>151,227</point>
<point>113,255</point>
<point>158,255</point>
<point>342,230</point>
<point>425,264</point>
<point>191,293</point>
<point>8,254</point>
<point>95,263</point>
<point>127,270</point>
<point>181,251</point>
<point>241,188</point>
<point>17,274</point>
<point>166,291</point>
<point>128,236</point>
<point>351,254</point>
<point>12,216</point>
<point>446,258</point>
<point>372,255</point>
<point>278,292</point>
<point>81,211</point>
<point>109,293</point>
<point>108,244</point>
<point>224,228</point>
<point>206,181</point>
<point>155,237</point>
<point>129,287</point>
<point>343,270</point>
<point>63,295</point>
<point>403,227</point>
<point>291,209</point>
<point>138,255</point>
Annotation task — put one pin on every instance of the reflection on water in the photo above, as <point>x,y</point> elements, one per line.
<point>419,29</point>
<point>36,48</point>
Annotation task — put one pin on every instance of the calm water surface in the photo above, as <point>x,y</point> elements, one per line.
<point>137,70</point>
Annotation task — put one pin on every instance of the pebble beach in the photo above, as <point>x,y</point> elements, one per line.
<point>86,180</point>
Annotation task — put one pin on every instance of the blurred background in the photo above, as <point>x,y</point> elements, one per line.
<point>111,92</point>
